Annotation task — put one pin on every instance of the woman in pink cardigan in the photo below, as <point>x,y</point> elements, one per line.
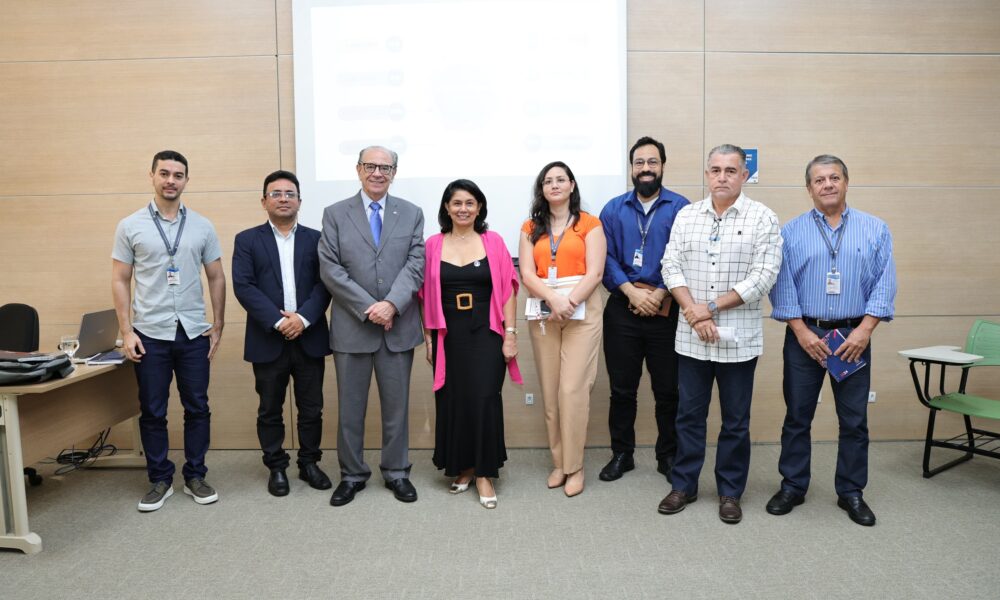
<point>469,300</point>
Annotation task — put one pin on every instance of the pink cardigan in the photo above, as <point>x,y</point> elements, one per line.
<point>504,284</point>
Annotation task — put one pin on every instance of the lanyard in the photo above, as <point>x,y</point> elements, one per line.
<point>177,240</point>
<point>829,245</point>
<point>554,245</point>
<point>644,230</point>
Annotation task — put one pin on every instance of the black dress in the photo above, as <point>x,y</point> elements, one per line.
<point>469,430</point>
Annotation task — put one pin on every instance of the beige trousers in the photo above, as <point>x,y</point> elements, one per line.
<point>566,360</point>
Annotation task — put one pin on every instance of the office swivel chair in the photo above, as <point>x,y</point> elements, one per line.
<point>19,332</point>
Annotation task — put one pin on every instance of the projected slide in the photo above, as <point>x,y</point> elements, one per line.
<point>485,90</point>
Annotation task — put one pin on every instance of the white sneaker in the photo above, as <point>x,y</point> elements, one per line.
<point>155,498</point>
<point>200,491</point>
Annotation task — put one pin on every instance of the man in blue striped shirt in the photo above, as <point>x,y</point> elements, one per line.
<point>837,273</point>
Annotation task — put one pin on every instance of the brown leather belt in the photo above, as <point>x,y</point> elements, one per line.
<point>664,306</point>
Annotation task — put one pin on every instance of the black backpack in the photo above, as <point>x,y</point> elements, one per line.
<point>32,367</point>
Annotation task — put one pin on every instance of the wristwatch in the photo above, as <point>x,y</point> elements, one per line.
<point>511,330</point>
<point>713,308</point>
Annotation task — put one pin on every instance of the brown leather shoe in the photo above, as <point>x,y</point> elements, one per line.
<point>729,510</point>
<point>675,502</point>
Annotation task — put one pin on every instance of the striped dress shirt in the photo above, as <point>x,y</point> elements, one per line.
<point>739,251</point>
<point>864,262</point>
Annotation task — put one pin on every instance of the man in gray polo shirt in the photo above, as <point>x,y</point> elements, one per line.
<point>164,245</point>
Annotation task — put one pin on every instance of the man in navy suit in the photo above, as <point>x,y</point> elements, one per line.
<point>276,279</point>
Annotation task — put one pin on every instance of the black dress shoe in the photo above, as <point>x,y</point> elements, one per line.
<point>857,510</point>
<point>666,467</point>
<point>345,492</point>
<point>402,489</point>
<point>277,483</point>
<point>619,464</point>
<point>783,502</point>
<point>314,476</point>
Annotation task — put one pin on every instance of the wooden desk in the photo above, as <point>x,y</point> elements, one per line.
<point>39,420</point>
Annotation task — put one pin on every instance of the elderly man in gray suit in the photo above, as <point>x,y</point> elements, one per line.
<point>371,255</point>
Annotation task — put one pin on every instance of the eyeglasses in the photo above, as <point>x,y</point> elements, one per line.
<point>640,163</point>
<point>385,169</point>
<point>278,194</point>
<point>714,236</point>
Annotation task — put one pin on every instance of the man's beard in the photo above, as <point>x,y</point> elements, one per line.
<point>647,189</point>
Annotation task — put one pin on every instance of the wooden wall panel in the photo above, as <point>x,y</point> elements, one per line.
<point>68,272</point>
<point>666,101</point>
<point>915,26</point>
<point>666,25</point>
<point>105,29</point>
<point>221,113</point>
<point>286,111</point>
<point>897,119</point>
<point>283,11</point>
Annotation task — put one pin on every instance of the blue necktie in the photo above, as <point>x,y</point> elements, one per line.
<point>376,222</point>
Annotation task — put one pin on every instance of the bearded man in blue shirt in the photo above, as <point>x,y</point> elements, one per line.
<point>837,274</point>
<point>640,319</point>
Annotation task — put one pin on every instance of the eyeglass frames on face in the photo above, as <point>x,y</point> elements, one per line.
<point>384,169</point>
<point>278,194</point>
<point>640,163</point>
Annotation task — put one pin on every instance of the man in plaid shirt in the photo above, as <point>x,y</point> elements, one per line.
<point>723,257</point>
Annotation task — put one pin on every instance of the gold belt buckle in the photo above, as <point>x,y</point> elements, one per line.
<point>463,301</point>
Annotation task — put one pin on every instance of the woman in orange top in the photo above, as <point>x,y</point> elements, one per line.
<point>562,254</point>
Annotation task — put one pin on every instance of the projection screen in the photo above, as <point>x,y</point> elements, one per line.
<point>479,89</point>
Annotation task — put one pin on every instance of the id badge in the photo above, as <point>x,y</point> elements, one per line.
<point>552,274</point>
<point>833,283</point>
<point>173,276</point>
<point>637,258</point>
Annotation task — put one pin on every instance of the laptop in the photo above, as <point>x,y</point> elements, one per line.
<point>98,333</point>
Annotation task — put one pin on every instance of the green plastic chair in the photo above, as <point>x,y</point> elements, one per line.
<point>983,340</point>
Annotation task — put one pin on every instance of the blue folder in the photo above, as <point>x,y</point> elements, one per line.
<point>840,369</point>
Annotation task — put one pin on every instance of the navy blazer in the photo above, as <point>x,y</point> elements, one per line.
<point>257,285</point>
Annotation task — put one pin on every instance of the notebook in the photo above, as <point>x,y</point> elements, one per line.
<point>98,333</point>
<point>839,368</point>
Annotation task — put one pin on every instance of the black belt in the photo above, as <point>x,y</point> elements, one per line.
<point>832,324</point>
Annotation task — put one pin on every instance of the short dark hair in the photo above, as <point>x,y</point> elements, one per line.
<point>539,211</point>
<point>465,185</point>
<point>170,155</point>
<point>647,141</point>
<point>281,175</point>
<point>826,159</point>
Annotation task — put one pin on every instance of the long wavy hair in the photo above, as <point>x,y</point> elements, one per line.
<point>540,213</point>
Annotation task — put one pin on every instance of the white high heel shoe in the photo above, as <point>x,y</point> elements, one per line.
<point>488,502</point>
<point>458,488</point>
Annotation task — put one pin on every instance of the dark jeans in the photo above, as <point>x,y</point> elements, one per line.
<point>628,341</point>
<point>272,383</point>
<point>188,358</point>
<point>803,379</point>
<point>732,459</point>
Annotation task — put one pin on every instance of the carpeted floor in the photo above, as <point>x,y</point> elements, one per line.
<point>934,538</point>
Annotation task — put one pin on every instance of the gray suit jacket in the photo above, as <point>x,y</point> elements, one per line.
<point>359,274</point>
